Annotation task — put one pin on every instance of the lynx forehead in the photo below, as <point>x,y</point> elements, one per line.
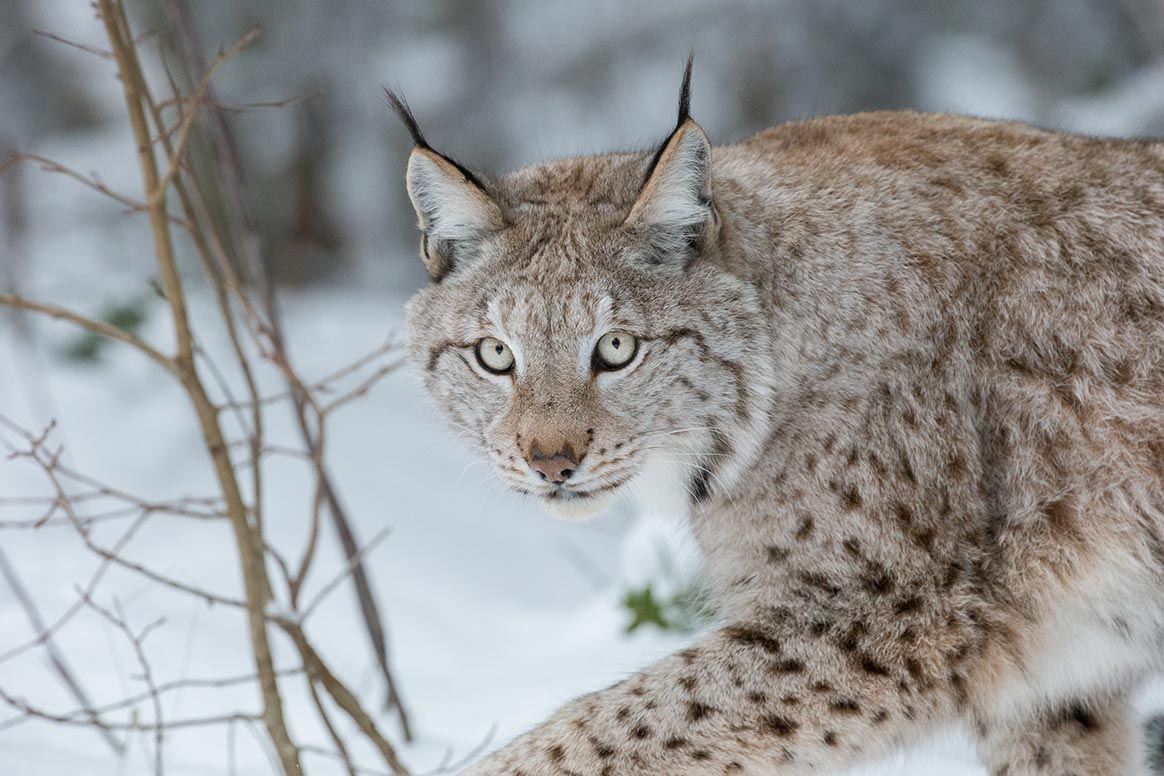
<point>904,373</point>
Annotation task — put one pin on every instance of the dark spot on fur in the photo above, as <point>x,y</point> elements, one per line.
<point>830,738</point>
<point>958,685</point>
<point>903,514</point>
<point>907,470</point>
<point>641,732</point>
<point>845,706</point>
<point>871,666</point>
<point>697,711</point>
<point>776,554</point>
<point>878,583</point>
<point>752,637</point>
<point>1084,718</point>
<point>604,751</point>
<point>804,530</point>
<point>819,581</point>
<point>675,743</point>
<point>779,726</point>
<point>956,466</point>
<point>851,640</point>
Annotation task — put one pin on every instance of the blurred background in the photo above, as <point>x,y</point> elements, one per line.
<point>496,613</point>
<point>502,84</point>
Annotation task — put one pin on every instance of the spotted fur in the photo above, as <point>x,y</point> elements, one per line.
<point>904,373</point>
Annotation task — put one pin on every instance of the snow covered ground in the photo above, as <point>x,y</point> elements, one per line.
<point>497,612</point>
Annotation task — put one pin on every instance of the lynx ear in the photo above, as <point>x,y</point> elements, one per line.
<point>675,206</point>
<point>452,208</point>
<point>452,205</point>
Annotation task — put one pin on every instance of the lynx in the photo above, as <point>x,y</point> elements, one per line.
<point>903,373</point>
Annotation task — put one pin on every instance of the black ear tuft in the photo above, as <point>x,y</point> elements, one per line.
<point>684,93</point>
<point>400,107</point>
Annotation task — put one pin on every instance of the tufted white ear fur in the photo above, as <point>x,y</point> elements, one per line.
<point>451,206</point>
<point>675,204</point>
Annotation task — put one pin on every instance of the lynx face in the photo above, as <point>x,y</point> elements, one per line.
<point>580,330</point>
<point>577,364</point>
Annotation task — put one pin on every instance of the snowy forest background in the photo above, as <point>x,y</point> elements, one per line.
<point>495,614</point>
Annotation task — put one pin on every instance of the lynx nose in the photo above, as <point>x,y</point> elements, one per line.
<point>555,467</point>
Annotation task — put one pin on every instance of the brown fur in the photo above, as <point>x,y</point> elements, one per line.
<point>924,359</point>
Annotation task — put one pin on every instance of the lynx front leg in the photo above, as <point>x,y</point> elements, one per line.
<point>1096,738</point>
<point>751,699</point>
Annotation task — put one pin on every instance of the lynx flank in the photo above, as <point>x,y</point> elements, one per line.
<point>903,373</point>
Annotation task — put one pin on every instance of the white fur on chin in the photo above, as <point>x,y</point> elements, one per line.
<point>578,509</point>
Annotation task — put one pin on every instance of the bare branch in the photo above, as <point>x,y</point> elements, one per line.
<point>74,44</point>
<point>48,165</point>
<point>250,247</point>
<point>318,671</point>
<point>95,326</point>
<point>28,709</point>
<point>250,546</point>
<point>55,657</point>
<point>338,579</point>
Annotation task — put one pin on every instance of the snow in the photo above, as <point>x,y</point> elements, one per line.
<point>497,613</point>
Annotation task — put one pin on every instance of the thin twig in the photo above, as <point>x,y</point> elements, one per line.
<point>74,44</point>
<point>137,641</point>
<point>318,671</point>
<point>28,709</point>
<point>354,563</point>
<point>332,733</point>
<point>60,665</point>
<point>93,325</point>
<point>162,688</point>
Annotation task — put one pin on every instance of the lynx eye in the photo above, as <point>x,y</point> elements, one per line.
<point>495,355</point>
<point>615,350</point>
